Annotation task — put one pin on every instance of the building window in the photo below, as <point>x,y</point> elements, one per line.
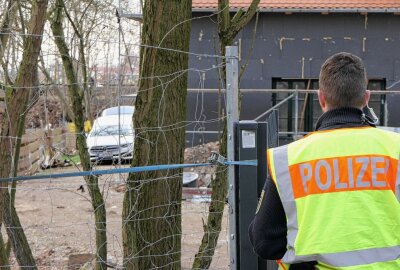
<point>308,105</point>
<point>377,102</point>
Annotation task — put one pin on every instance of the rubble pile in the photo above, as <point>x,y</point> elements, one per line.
<point>200,154</point>
<point>36,117</point>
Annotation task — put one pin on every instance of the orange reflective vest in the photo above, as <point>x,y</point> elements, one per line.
<point>340,190</point>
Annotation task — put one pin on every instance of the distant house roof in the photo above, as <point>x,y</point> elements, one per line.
<point>308,5</point>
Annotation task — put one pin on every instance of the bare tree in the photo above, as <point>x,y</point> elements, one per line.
<point>228,28</point>
<point>9,17</point>
<point>77,95</point>
<point>57,89</point>
<point>17,97</point>
<point>152,208</point>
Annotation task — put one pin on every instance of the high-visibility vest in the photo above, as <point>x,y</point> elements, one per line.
<point>340,192</point>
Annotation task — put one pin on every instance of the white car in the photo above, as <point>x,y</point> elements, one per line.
<point>108,139</point>
<point>129,110</point>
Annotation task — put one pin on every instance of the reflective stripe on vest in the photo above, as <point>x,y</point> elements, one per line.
<point>398,182</point>
<point>318,185</point>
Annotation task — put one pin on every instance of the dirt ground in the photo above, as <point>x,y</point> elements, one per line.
<point>58,221</point>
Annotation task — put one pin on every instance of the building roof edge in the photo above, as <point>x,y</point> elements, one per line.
<point>310,10</point>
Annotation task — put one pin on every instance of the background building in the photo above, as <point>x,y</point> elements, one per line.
<point>291,41</point>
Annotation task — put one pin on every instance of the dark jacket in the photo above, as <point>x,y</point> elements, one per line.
<point>268,229</point>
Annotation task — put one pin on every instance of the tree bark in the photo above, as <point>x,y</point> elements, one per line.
<point>4,262</point>
<point>76,96</point>
<point>82,60</point>
<point>152,208</point>
<point>6,24</point>
<point>8,19</point>
<point>17,99</point>
<point>228,28</point>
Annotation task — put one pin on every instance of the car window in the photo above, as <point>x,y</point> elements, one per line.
<point>111,130</point>
<point>114,111</point>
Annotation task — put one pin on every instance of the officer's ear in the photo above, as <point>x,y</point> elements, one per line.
<point>322,101</point>
<point>367,95</point>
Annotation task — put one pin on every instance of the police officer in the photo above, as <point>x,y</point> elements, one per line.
<point>331,200</point>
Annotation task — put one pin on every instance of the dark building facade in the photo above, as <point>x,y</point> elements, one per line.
<point>286,51</point>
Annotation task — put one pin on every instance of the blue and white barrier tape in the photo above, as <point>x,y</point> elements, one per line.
<point>124,170</point>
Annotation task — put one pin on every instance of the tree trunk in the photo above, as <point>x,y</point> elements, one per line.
<point>5,29</point>
<point>84,67</point>
<point>76,96</point>
<point>228,28</point>
<point>152,208</point>
<point>4,263</point>
<point>13,126</point>
<point>5,26</point>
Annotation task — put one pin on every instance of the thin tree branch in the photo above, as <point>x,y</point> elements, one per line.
<point>253,39</point>
<point>241,21</point>
<point>21,15</point>
<point>76,30</point>
<point>84,12</point>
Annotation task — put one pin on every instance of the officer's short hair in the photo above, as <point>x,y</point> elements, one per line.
<point>343,80</point>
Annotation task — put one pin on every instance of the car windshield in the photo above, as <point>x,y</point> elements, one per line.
<point>114,111</point>
<point>112,131</point>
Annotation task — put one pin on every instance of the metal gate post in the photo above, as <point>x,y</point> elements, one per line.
<point>253,139</point>
<point>250,137</point>
<point>232,107</point>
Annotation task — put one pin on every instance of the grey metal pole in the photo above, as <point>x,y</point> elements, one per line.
<point>274,107</point>
<point>119,88</point>
<point>232,107</point>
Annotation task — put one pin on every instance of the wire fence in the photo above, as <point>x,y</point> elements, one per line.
<point>59,223</point>
<point>56,213</point>
<point>53,200</point>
